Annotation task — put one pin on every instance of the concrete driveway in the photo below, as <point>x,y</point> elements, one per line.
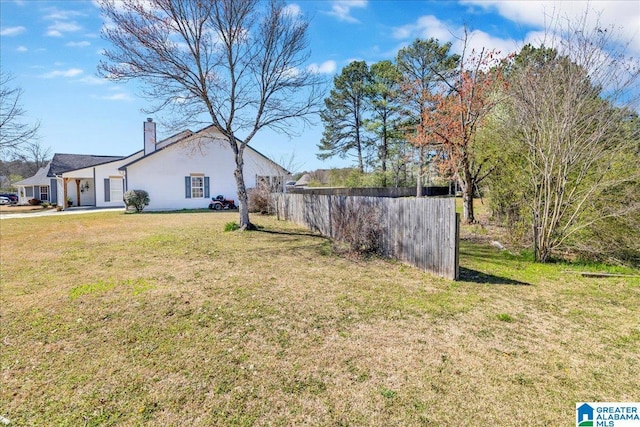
<point>52,212</point>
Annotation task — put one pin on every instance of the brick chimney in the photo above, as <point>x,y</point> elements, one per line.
<point>149,136</point>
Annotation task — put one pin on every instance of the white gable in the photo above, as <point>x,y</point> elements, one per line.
<point>164,173</point>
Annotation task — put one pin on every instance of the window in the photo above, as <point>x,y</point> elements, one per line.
<point>29,191</point>
<point>44,192</point>
<point>196,186</point>
<point>115,189</point>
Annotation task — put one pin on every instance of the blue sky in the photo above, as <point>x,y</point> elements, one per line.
<point>53,48</point>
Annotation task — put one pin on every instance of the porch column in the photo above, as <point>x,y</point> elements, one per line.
<point>78,191</point>
<point>64,192</point>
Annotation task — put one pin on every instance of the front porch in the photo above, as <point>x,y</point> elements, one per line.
<point>78,192</point>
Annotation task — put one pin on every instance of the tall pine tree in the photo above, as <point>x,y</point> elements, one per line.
<point>343,116</point>
<point>384,101</point>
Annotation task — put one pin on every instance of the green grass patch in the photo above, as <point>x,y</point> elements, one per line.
<point>505,317</point>
<point>231,226</point>
<point>135,286</point>
<point>176,322</point>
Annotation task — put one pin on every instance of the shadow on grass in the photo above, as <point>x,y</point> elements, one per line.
<point>289,233</point>
<point>484,257</point>
<point>182,211</point>
<point>473,276</point>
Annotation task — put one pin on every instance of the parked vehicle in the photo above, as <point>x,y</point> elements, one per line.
<point>12,197</point>
<point>219,203</point>
<point>4,200</point>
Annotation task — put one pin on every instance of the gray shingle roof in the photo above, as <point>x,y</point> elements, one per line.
<point>67,162</point>
<point>40,178</point>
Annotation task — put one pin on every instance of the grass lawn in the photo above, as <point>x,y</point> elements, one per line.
<point>164,319</point>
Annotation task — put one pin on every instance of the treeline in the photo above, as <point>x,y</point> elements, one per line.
<point>551,134</point>
<point>15,170</point>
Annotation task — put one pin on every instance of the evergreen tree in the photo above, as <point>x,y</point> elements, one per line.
<point>384,101</point>
<point>344,115</point>
<point>423,65</point>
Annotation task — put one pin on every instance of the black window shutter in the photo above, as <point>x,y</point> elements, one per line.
<point>187,187</point>
<point>107,190</point>
<point>53,191</point>
<point>206,187</point>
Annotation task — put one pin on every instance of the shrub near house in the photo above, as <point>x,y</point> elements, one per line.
<point>136,199</point>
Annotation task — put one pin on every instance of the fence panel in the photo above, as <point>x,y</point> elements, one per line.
<point>423,232</point>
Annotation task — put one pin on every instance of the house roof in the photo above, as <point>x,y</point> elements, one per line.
<point>181,136</point>
<point>40,178</point>
<point>62,163</point>
<point>67,162</point>
<point>304,180</point>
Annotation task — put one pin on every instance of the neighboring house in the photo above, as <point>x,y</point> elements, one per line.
<point>56,181</point>
<point>180,172</point>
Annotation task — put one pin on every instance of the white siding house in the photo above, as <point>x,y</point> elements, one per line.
<point>181,172</point>
<point>191,170</point>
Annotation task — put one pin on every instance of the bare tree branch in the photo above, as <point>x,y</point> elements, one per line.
<point>15,134</point>
<point>239,63</point>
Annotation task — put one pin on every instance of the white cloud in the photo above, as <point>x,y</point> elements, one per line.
<point>55,14</point>
<point>118,97</point>
<point>341,9</point>
<point>293,10</point>
<point>58,28</point>
<point>12,31</point>
<point>425,27</point>
<point>537,14</point>
<point>479,40</point>
<point>71,72</point>
<point>93,80</point>
<point>78,44</point>
<point>22,49</point>
<point>327,67</point>
<point>623,16</point>
<point>429,26</point>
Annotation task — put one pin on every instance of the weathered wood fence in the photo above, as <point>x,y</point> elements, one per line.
<point>423,232</point>
<point>371,191</point>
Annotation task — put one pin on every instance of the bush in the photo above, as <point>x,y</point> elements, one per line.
<point>137,199</point>
<point>260,200</point>
<point>34,202</point>
<point>357,226</point>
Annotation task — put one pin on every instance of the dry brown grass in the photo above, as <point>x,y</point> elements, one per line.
<point>163,319</point>
<point>9,209</point>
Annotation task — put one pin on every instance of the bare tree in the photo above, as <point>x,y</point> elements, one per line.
<point>34,152</point>
<point>568,115</point>
<point>238,62</point>
<point>15,134</point>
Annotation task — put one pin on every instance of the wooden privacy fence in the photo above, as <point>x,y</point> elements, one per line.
<point>423,232</point>
<point>370,191</point>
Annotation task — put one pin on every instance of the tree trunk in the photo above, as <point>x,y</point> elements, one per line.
<point>540,245</point>
<point>467,195</point>
<point>467,204</point>
<point>419,192</point>
<point>383,155</point>
<point>243,199</point>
